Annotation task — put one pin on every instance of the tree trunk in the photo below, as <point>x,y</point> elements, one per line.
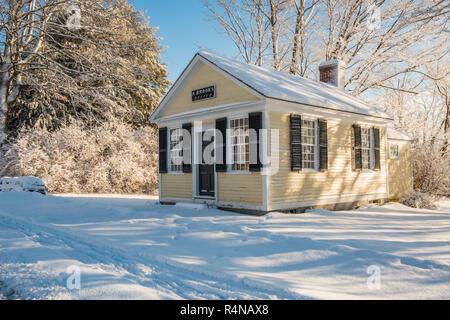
<point>297,46</point>
<point>3,97</point>
<point>446,126</point>
<point>274,10</point>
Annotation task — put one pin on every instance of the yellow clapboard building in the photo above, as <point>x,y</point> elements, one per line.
<point>249,139</point>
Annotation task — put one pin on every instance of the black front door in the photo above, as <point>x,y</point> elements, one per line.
<point>206,171</point>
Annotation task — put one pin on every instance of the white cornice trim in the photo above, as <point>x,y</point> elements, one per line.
<point>275,105</point>
<point>205,113</point>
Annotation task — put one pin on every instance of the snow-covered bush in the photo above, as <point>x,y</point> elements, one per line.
<point>111,158</point>
<point>431,169</point>
<point>419,200</point>
<point>22,184</point>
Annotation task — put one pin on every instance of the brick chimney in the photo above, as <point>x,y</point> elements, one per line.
<point>333,72</point>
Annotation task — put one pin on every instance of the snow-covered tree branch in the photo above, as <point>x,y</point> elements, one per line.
<point>86,59</point>
<point>378,40</point>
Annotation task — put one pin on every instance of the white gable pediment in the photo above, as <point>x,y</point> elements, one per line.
<point>200,73</point>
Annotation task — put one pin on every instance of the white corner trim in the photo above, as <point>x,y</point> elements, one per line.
<point>266,177</point>
<point>159,186</point>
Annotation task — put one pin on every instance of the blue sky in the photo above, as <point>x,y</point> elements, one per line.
<point>185,28</point>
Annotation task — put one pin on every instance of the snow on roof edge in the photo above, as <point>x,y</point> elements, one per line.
<point>394,134</point>
<point>324,93</point>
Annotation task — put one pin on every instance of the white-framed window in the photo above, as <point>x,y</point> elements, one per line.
<point>239,144</point>
<point>176,150</point>
<point>309,144</point>
<point>394,151</point>
<point>367,148</point>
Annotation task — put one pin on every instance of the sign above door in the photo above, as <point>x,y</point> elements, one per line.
<point>204,93</point>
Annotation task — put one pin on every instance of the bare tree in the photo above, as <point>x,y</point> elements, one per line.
<point>423,112</point>
<point>381,48</point>
<point>276,13</point>
<point>432,10</point>
<point>304,11</point>
<point>245,23</point>
<point>442,88</point>
<point>274,18</point>
<point>379,40</point>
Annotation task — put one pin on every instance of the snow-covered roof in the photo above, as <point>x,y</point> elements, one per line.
<point>283,86</point>
<point>395,134</point>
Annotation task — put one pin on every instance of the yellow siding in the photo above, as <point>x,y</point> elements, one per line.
<point>226,92</point>
<point>176,186</point>
<point>233,188</point>
<point>204,123</point>
<point>240,188</point>
<point>400,173</point>
<point>339,181</point>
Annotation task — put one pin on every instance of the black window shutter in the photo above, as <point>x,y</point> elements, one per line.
<point>187,148</point>
<point>323,144</point>
<point>255,123</point>
<point>357,146</point>
<point>296,142</point>
<point>376,140</point>
<point>163,150</point>
<point>221,146</point>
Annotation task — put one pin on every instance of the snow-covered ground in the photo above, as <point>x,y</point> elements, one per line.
<point>134,248</point>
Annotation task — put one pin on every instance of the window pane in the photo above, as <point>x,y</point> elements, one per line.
<point>176,150</point>
<point>394,151</point>
<point>308,143</point>
<point>366,147</point>
<point>239,144</point>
